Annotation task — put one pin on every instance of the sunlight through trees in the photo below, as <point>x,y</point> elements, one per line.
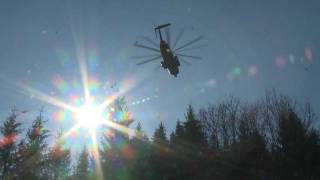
<point>271,138</point>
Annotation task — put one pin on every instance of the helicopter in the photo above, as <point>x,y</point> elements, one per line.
<point>171,57</point>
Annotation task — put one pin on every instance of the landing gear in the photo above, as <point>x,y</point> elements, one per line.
<point>164,65</point>
<point>174,72</point>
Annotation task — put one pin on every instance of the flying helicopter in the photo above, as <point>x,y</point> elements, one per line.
<point>170,55</point>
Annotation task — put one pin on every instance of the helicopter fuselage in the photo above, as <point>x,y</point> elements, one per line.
<point>170,61</point>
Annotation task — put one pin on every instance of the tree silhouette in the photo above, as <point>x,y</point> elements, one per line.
<point>10,130</point>
<point>139,167</point>
<point>34,155</point>
<point>117,151</point>
<point>159,137</point>
<point>266,139</point>
<point>159,157</point>
<point>59,159</point>
<point>82,167</point>
<point>193,134</point>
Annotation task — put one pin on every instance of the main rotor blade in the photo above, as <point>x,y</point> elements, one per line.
<point>145,56</point>
<point>185,62</point>
<point>192,48</point>
<point>188,56</point>
<point>145,47</point>
<point>151,42</point>
<point>149,60</point>
<point>189,43</point>
<point>178,38</point>
<point>168,36</point>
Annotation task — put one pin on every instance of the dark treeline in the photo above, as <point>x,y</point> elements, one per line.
<point>274,138</point>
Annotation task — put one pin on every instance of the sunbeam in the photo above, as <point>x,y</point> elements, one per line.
<point>95,153</point>
<point>86,114</point>
<point>46,98</point>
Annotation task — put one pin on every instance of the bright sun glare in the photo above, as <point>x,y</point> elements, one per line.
<point>89,116</point>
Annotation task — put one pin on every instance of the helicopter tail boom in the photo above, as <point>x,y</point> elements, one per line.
<point>160,27</point>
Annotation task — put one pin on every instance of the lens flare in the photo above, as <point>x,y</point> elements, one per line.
<point>280,62</point>
<point>60,116</point>
<point>7,140</point>
<point>211,83</point>
<point>308,53</point>
<point>292,59</point>
<point>60,84</point>
<point>87,111</point>
<point>234,74</point>
<point>253,70</point>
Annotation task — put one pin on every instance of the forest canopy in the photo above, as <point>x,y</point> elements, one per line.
<point>272,138</point>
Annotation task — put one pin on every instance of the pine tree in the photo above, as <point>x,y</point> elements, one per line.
<point>117,151</point>
<point>194,145</point>
<point>178,136</point>
<point>178,146</point>
<point>35,157</point>
<point>172,140</point>
<point>160,137</point>
<point>193,134</point>
<point>82,167</point>
<point>159,160</point>
<point>139,168</point>
<point>292,149</point>
<point>10,130</point>
<point>59,159</point>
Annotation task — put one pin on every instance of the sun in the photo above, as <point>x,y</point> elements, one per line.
<point>89,116</point>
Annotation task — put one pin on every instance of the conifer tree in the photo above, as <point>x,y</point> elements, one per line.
<point>117,150</point>
<point>159,160</point>
<point>178,135</point>
<point>193,134</point>
<point>82,167</point>
<point>59,159</point>
<point>160,137</point>
<point>35,154</point>
<point>178,146</point>
<point>293,145</point>
<point>139,168</point>
<point>10,130</point>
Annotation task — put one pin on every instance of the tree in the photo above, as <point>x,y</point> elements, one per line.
<point>269,139</point>
<point>139,167</point>
<point>117,150</point>
<point>59,159</point>
<point>159,137</point>
<point>296,143</point>
<point>210,125</point>
<point>178,146</point>
<point>193,133</point>
<point>159,160</point>
<point>82,167</point>
<point>177,137</point>
<point>10,130</point>
<point>33,152</point>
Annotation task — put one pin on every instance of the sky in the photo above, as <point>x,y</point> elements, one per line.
<point>253,46</point>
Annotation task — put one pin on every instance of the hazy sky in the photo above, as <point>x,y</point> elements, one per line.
<point>252,46</point>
